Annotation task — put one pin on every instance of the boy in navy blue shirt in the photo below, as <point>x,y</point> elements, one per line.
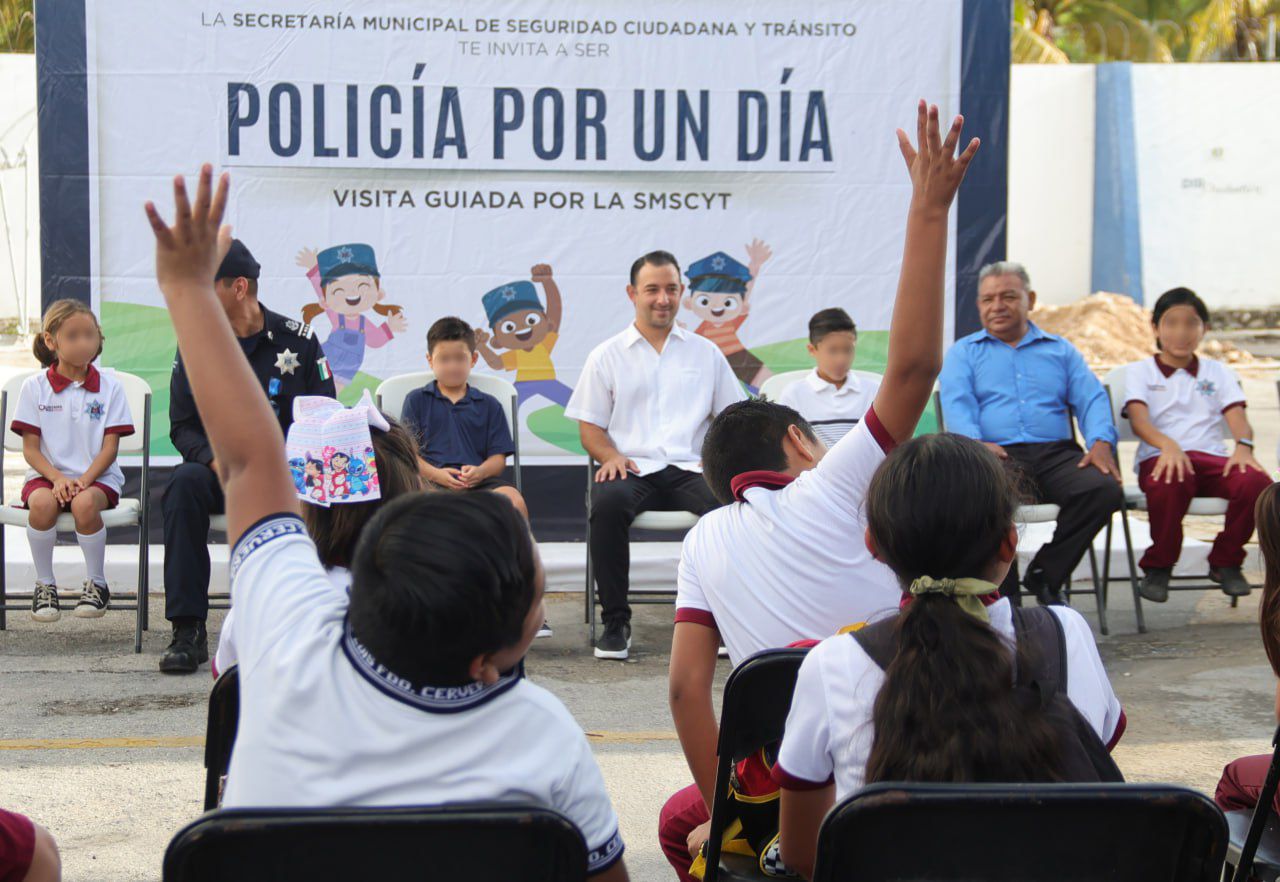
<point>463,436</point>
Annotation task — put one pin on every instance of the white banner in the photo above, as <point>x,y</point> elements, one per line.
<point>457,146</point>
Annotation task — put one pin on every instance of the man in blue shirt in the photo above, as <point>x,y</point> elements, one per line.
<point>1015,388</point>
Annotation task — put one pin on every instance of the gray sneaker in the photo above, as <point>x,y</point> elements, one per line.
<point>1155,584</point>
<point>1233,582</point>
<point>44,603</point>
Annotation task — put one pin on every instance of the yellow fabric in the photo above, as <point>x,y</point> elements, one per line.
<point>730,844</point>
<point>534,364</point>
<point>849,629</point>
<point>965,592</point>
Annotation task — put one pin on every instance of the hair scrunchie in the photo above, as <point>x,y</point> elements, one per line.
<point>967,593</point>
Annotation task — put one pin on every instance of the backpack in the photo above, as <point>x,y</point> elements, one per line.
<point>1043,682</point>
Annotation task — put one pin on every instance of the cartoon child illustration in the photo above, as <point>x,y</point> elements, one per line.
<point>313,472</point>
<point>719,287</point>
<point>338,462</point>
<point>348,285</point>
<point>528,332</point>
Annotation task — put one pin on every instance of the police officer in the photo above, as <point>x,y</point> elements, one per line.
<point>288,361</point>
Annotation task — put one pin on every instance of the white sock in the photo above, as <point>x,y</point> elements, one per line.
<point>42,542</point>
<point>94,546</point>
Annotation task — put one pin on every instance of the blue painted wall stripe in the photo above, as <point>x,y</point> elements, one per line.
<point>1117,231</point>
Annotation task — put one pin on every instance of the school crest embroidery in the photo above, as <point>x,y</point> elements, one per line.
<point>95,409</point>
<point>1206,387</point>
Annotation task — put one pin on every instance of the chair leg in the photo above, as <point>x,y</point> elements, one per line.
<point>1133,572</point>
<point>1097,590</point>
<point>1106,580</point>
<point>141,591</point>
<point>4,585</point>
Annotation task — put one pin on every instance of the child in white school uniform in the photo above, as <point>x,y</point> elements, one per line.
<point>71,417</point>
<point>407,691</point>
<point>936,694</point>
<point>1177,403</point>
<point>832,398</point>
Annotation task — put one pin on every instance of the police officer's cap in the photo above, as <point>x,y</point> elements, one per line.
<point>238,263</point>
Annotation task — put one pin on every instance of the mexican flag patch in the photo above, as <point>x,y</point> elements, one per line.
<point>323,366</point>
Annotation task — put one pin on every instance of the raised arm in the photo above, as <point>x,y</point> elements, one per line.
<point>555,308</point>
<point>243,432</point>
<point>915,333</point>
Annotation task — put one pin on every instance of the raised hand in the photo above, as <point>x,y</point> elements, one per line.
<point>936,171</point>
<point>541,272</point>
<point>306,258</point>
<point>188,253</point>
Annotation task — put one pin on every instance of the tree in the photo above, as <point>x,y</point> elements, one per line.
<point>17,26</point>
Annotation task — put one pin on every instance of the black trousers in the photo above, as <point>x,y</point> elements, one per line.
<point>614,505</point>
<point>192,495</point>
<point>1087,498</point>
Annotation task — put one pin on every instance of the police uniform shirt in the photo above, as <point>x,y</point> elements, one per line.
<point>321,724</point>
<point>287,360</point>
<point>829,729</point>
<point>831,410</point>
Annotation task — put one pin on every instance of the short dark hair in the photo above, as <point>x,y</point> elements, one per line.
<point>450,328</point>
<point>747,437</point>
<point>830,321</point>
<point>654,258</point>
<point>1179,297</point>
<point>440,578</point>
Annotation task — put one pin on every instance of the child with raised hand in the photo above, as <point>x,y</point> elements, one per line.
<point>71,417</point>
<point>961,686</point>
<point>405,692</point>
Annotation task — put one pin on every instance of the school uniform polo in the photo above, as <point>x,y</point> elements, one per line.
<point>456,434</point>
<point>829,730</point>
<point>790,563</point>
<point>322,723</point>
<point>1185,404</point>
<point>656,406</point>
<point>832,410</point>
<point>72,418</point>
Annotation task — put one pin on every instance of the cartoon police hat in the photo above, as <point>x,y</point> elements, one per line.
<point>238,263</point>
<point>509,298</point>
<point>346,260</point>
<point>718,272</point>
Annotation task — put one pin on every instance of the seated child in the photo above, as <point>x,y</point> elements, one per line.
<point>408,691</point>
<point>931,695</point>
<point>1242,779</point>
<point>780,562</point>
<point>335,528</point>
<point>1177,403</point>
<point>71,417</point>
<point>463,434</point>
<point>832,399</point>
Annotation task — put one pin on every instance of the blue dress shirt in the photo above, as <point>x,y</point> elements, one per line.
<point>1021,394</point>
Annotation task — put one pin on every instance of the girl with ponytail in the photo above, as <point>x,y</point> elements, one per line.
<point>940,693</point>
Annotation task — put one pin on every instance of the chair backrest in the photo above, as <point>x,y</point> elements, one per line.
<point>393,391</point>
<point>1117,391</point>
<point>1060,832</point>
<point>773,387</point>
<point>477,843</point>
<point>220,733</point>
<point>136,390</point>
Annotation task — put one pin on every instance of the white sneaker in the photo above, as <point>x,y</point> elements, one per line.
<point>544,631</point>
<point>44,603</point>
<point>93,601</point>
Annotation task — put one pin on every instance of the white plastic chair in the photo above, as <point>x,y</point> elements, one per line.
<point>1136,500</point>
<point>392,392</point>
<point>129,513</point>
<point>773,387</point>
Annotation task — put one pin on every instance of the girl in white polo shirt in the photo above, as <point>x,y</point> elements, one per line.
<point>938,702</point>
<point>1177,404</point>
<point>71,417</point>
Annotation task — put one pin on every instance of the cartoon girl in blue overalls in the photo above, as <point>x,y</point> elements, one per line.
<point>347,285</point>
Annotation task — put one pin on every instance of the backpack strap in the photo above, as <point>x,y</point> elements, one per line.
<point>879,640</point>
<point>1043,645</point>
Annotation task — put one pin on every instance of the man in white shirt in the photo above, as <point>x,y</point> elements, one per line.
<point>833,398</point>
<point>643,403</point>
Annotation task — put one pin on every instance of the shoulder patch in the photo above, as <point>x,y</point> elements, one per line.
<point>300,329</point>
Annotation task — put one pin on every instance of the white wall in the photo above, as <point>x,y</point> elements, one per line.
<point>1051,177</point>
<point>19,189</point>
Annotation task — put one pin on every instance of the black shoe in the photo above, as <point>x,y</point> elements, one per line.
<point>1155,584</point>
<point>188,649</point>
<point>615,641</point>
<point>1233,582</point>
<point>1045,594</point>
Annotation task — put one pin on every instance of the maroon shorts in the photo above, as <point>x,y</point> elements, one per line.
<point>17,846</point>
<point>113,498</point>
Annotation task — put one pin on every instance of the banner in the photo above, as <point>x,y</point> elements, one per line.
<point>505,162</point>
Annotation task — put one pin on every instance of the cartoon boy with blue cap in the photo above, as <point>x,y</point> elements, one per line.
<point>718,289</point>
<point>347,285</point>
<point>528,332</point>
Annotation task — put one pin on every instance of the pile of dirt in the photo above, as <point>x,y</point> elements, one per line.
<point>1110,329</point>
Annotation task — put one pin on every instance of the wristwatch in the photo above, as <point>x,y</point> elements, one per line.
<point>1247,442</point>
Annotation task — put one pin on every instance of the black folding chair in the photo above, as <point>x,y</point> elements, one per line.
<point>220,734</point>
<point>1254,849</point>
<point>478,843</point>
<point>1022,832</point>
<point>757,699</point>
